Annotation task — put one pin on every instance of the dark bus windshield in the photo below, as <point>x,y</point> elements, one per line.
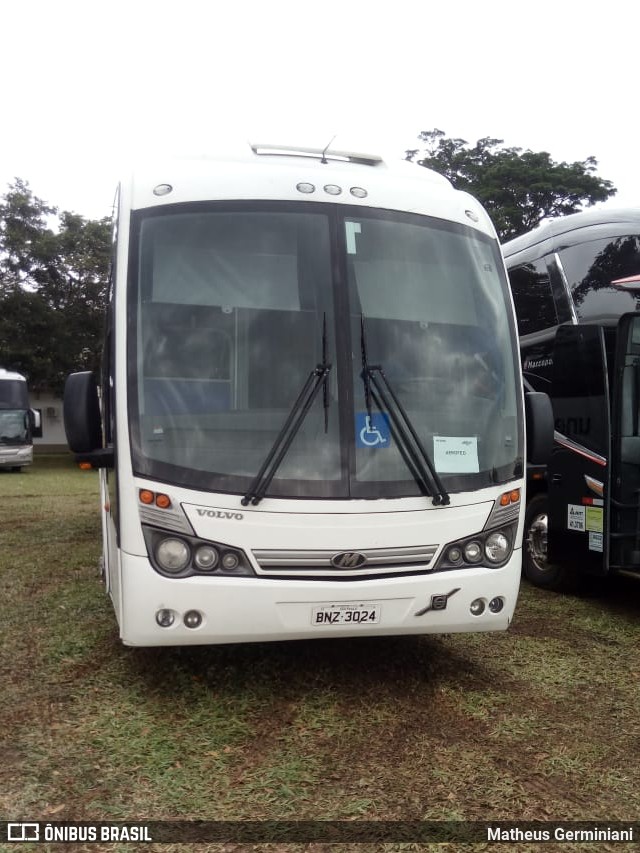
<point>13,394</point>
<point>228,305</point>
<point>14,430</point>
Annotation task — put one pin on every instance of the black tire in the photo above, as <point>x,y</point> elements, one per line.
<point>535,566</point>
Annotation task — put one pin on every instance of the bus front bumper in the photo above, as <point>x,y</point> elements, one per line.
<point>15,457</point>
<point>156,611</point>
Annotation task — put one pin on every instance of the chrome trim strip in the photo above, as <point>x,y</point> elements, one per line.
<point>165,518</point>
<point>500,515</point>
<point>312,563</point>
<point>569,444</point>
<point>563,276</point>
<point>595,485</point>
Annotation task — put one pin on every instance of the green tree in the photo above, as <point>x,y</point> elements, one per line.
<point>518,188</point>
<point>53,285</point>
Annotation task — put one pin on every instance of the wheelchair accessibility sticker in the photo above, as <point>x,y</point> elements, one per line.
<point>372,430</point>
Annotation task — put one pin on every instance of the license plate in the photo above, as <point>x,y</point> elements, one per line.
<point>346,614</point>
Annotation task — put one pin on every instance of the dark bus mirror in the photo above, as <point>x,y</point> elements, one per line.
<point>540,427</point>
<point>81,407</point>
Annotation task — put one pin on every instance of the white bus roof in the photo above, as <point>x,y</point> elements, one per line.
<point>271,172</point>
<point>7,374</point>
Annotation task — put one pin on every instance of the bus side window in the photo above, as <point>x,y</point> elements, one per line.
<point>533,297</point>
<point>590,268</point>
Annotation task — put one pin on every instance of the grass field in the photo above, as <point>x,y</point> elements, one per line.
<point>538,723</point>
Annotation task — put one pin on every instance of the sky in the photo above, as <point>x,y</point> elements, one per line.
<point>91,87</point>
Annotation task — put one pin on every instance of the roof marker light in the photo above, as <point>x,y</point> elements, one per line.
<point>358,192</point>
<point>332,189</point>
<point>304,187</point>
<point>162,189</point>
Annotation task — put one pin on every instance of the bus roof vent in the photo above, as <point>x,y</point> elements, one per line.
<point>322,154</point>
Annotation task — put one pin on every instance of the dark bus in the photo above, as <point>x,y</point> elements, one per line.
<point>576,287</point>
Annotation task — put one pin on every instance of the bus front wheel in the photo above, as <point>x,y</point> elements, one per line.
<point>535,564</point>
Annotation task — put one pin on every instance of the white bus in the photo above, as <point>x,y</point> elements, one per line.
<point>18,423</point>
<point>311,418</point>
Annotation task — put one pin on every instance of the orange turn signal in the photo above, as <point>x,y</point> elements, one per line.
<point>146,497</point>
<point>163,501</point>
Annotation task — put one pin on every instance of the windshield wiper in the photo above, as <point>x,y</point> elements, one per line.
<point>316,379</point>
<point>411,447</point>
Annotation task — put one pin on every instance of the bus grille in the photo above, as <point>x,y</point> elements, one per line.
<point>316,564</point>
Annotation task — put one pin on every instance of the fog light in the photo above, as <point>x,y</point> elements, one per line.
<point>165,618</point>
<point>192,619</point>
<point>477,607</point>
<point>206,558</point>
<point>230,561</point>
<point>496,604</point>
<point>473,552</point>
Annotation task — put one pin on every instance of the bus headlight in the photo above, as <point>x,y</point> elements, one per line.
<point>206,558</point>
<point>497,547</point>
<point>490,548</point>
<point>187,556</point>
<point>173,555</point>
<point>473,552</point>
<point>230,561</point>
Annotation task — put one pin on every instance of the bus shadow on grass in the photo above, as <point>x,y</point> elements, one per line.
<point>372,666</point>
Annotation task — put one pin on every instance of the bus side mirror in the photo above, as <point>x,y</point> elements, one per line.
<point>35,422</point>
<point>540,427</point>
<point>82,421</point>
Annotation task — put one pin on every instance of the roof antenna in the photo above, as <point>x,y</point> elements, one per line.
<point>323,158</point>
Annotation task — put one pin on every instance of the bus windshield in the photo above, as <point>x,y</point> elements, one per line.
<point>233,305</point>
<point>13,427</point>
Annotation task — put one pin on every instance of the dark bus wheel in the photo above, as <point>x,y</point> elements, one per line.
<point>535,565</point>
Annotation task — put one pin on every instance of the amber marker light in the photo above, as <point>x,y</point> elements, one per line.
<point>85,466</point>
<point>515,496</point>
<point>505,500</point>
<point>146,497</point>
<point>163,501</point>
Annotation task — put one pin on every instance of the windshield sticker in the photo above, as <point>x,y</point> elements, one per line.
<point>455,455</point>
<point>351,229</point>
<point>576,517</point>
<point>373,430</point>
<point>596,542</point>
<point>595,519</point>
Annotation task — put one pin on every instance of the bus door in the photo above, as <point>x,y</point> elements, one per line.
<point>625,480</point>
<point>579,469</point>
